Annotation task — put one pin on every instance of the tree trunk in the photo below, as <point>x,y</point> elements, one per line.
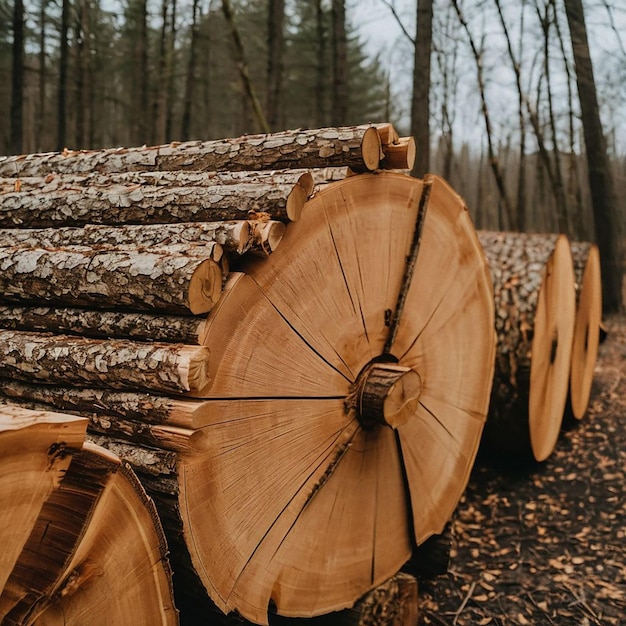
<point>587,328</point>
<point>357,147</point>
<point>171,283</point>
<point>534,291</point>
<point>339,104</point>
<point>114,203</point>
<point>17,78</point>
<point>101,324</point>
<point>420,103</point>
<point>275,47</point>
<point>607,224</point>
<point>112,363</point>
<point>63,63</point>
<point>59,566</point>
<point>191,75</point>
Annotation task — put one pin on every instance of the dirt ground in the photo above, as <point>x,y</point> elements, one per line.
<point>547,544</point>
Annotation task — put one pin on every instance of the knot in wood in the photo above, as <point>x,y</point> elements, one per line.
<point>386,394</point>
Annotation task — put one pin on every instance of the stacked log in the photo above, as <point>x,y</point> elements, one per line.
<point>535,303</point>
<point>587,327</point>
<point>301,425</point>
<point>59,567</point>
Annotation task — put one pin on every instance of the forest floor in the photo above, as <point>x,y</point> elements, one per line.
<point>546,545</point>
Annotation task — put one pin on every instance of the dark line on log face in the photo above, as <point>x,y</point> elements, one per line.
<point>410,267</point>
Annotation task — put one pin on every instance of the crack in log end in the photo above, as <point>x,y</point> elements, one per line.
<point>553,347</point>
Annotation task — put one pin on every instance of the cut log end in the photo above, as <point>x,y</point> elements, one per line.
<point>587,326</point>
<point>205,287</point>
<point>551,351</point>
<point>387,394</point>
<point>371,149</point>
<point>268,235</point>
<point>399,155</point>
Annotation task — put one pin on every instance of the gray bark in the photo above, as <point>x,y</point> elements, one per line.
<point>113,363</point>
<point>110,279</point>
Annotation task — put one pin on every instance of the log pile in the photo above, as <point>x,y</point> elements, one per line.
<point>548,314</point>
<point>299,375</point>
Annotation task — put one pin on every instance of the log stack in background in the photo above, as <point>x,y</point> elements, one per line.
<point>323,419</point>
<point>535,302</point>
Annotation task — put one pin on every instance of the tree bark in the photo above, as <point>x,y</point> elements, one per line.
<point>112,363</point>
<point>207,238</point>
<point>101,324</point>
<point>533,280</point>
<point>357,147</point>
<point>420,103</point>
<point>275,47</point>
<point>146,408</point>
<point>607,224</point>
<point>131,204</point>
<point>136,280</point>
<point>59,564</point>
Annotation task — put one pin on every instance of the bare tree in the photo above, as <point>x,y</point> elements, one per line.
<point>63,67</point>
<point>17,79</point>
<point>320,70</point>
<point>505,213</point>
<point>242,64</point>
<point>339,108</point>
<point>275,48</point>
<point>191,74</point>
<point>607,224</point>
<point>420,103</point>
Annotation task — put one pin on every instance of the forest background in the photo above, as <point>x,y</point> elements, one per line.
<point>491,89</point>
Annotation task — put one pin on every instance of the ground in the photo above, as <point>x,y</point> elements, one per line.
<point>546,544</point>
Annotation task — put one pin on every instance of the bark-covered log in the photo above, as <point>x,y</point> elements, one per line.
<point>140,407</point>
<point>587,328</point>
<point>358,147</point>
<point>533,280</point>
<point>114,363</point>
<point>101,324</point>
<point>267,235</point>
<point>135,204</point>
<point>234,237</point>
<point>76,530</point>
<point>174,179</point>
<point>111,279</point>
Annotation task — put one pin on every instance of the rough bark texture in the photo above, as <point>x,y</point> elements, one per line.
<point>174,179</point>
<point>110,279</point>
<point>132,204</point>
<point>140,407</point>
<point>520,265</point>
<point>283,150</point>
<point>104,324</point>
<point>115,363</point>
<point>235,237</point>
